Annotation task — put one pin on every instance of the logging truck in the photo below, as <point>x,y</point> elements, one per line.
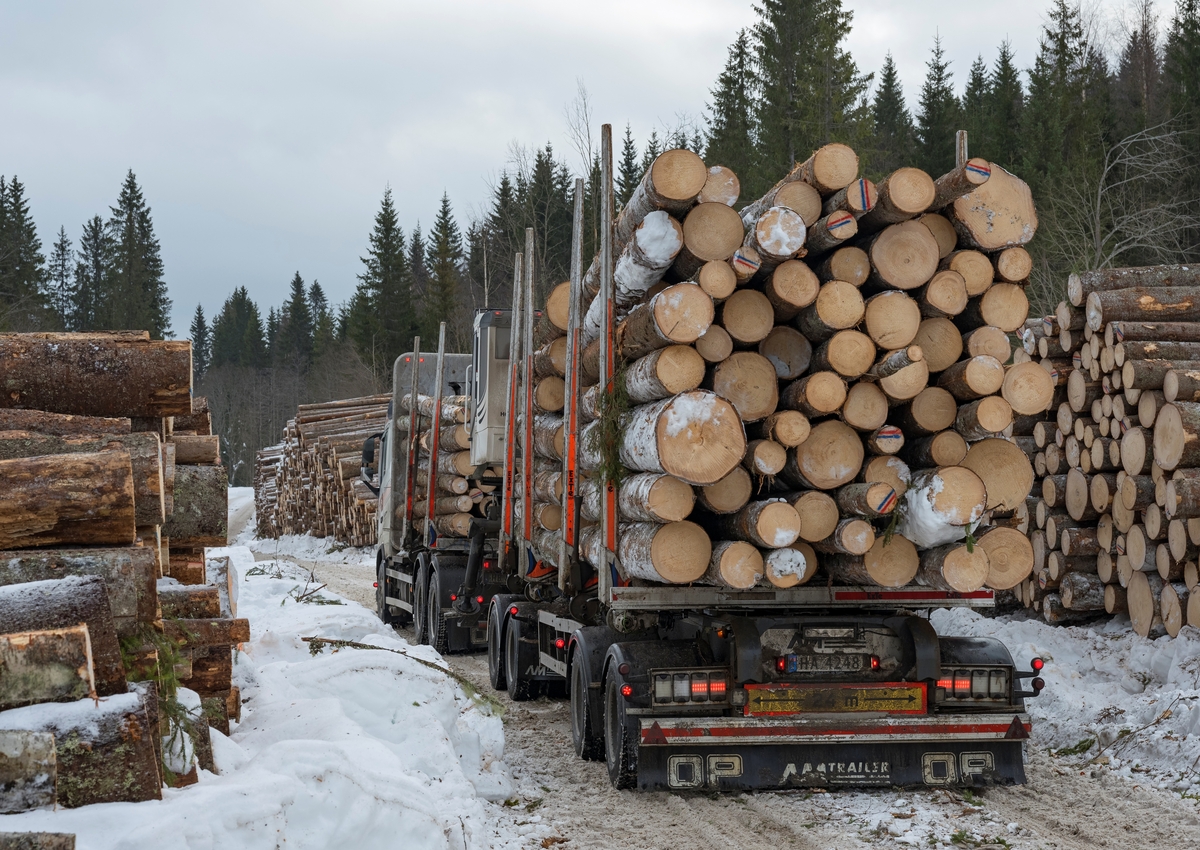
<point>583,585</point>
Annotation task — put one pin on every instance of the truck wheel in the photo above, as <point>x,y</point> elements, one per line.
<point>420,614</point>
<point>620,740</point>
<point>435,623</point>
<point>588,745</point>
<point>520,688</point>
<point>381,607</point>
<point>495,649</point>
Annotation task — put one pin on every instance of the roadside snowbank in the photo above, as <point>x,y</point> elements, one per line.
<point>353,749</point>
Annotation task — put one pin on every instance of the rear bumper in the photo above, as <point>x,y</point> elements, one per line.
<point>729,753</point>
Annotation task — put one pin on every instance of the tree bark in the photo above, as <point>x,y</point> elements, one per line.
<point>551,358</point>
<point>96,375</point>
<point>838,306</point>
<point>695,436</point>
<point>893,563</point>
<point>643,261</point>
<point>1080,286</point>
<point>70,498</point>
<point>858,199</point>
<point>62,425</point>
<point>830,232</point>
<point>53,665</point>
<point>645,497</point>
<point>63,603</point>
<point>680,314</point>
<point>903,256</point>
<point>189,602</point>
<point>675,553</point>
<point>734,564</point>
<point>549,436</point>
<point>201,515</point>
<point>196,449</point>
<point>999,214</point>
<point>963,180</point>
<point>28,776</point>
<point>902,195</point>
<point>1142,304</point>
<point>129,574</point>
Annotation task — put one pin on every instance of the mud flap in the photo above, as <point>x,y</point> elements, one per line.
<point>930,764</point>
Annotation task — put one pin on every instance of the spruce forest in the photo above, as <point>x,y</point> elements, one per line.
<point>1104,125</point>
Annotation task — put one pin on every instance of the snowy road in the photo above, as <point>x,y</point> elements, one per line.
<point>1147,795</point>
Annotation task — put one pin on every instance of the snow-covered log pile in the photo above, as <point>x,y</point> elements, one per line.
<point>1117,526</point>
<point>112,486</point>
<point>823,382</point>
<point>311,482</point>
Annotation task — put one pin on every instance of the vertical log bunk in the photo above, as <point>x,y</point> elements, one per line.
<point>776,396</point>
<point>113,487</point>
<point>1115,523</point>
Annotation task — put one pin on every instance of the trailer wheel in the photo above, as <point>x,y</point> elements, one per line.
<point>381,607</point>
<point>495,649</point>
<point>420,594</point>
<point>435,623</point>
<point>520,688</point>
<point>588,745</point>
<point>620,739</point>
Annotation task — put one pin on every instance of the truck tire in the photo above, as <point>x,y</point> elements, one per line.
<point>620,737</point>
<point>420,595</point>
<point>520,688</point>
<point>588,745</point>
<point>381,607</point>
<point>435,623</point>
<point>495,647</point>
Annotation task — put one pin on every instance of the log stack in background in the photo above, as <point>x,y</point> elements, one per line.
<point>1117,524</point>
<point>821,384</point>
<point>310,483</point>
<point>104,498</point>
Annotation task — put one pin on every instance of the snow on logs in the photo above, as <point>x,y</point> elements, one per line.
<point>831,360</point>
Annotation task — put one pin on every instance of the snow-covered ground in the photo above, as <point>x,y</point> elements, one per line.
<point>365,748</point>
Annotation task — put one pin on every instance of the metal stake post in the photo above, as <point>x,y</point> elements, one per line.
<point>510,419</point>
<point>566,553</point>
<point>608,513</point>
<point>434,433</point>
<point>410,461</point>
<point>527,404</point>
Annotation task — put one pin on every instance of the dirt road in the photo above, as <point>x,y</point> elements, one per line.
<point>1064,806</point>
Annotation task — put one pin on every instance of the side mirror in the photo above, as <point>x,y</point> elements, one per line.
<point>368,461</point>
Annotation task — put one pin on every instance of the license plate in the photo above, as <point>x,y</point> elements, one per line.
<point>889,698</point>
<point>825,663</point>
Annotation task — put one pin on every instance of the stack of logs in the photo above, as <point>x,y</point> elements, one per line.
<point>112,486</point>
<point>824,374</point>
<point>1117,524</point>
<point>311,482</point>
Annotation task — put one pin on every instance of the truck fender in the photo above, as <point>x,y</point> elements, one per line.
<point>649,653</point>
<point>450,573</point>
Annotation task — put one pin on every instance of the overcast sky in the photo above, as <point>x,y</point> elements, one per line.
<point>263,133</point>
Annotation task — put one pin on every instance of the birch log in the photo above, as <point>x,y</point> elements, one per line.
<point>695,436</point>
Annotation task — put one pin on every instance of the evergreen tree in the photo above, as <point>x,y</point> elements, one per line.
<point>1181,66</point>
<point>1137,100</point>
<point>272,332</point>
<point>388,288</point>
<point>324,321</point>
<point>22,265</point>
<point>445,262</point>
<point>137,294</point>
<point>811,90</point>
<point>731,130</point>
<point>893,139</point>
<point>92,271</point>
<point>294,340</point>
<point>417,265</point>
<point>628,170</point>
<point>1066,114</point>
<point>937,120</point>
<point>1005,105</point>
<point>502,230</point>
<point>237,333</point>
<point>973,108</point>
<point>61,280</point>
<point>653,149</point>
<point>548,208</point>
<point>201,343</point>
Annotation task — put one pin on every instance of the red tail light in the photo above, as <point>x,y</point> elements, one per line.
<point>945,684</point>
<point>874,662</point>
<point>375,584</point>
<point>479,599</point>
<point>1037,664</point>
<point>626,691</point>
<point>513,610</point>
<point>962,685</point>
<point>781,664</point>
<point>560,644</point>
<point>453,596</point>
<point>716,689</point>
<point>699,688</point>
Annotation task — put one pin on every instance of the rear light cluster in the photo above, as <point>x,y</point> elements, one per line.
<point>980,683</point>
<point>691,687</point>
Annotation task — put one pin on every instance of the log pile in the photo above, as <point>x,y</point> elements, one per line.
<point>821,385</point>
<point>1116,529</point>
<point>310,482</point>
<point>111,483</point>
